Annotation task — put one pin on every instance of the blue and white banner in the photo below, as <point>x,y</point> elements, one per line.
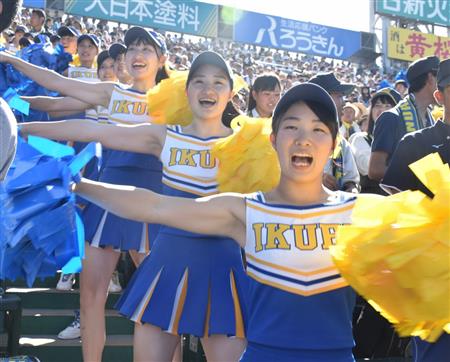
<point>295,36</point>
<point>186,16</point>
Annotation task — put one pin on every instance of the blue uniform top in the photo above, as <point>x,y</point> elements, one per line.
<point>297,298</point>
<point>392,125</point>
<point>188,169</point>
<point>129,106</point>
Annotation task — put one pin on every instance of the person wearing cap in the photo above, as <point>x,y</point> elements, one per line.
<point>401,86</point>
<point>107,234</point>
<point>69,36</point>
<point>296,296</point>
<point>37,21</point>
<point>117,52</point>
<point>189,171</point>
<point>8,124</point>
<point>361,142</point>
<point>18,34</point>
<point>341,172</point>
<point>349,117</point>
<point>399,177</point>
<point>411,114</point>
<point>88,46</point>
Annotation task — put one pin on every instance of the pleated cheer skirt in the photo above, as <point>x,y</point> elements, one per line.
<point>193,285</point>
<point>103,228</point>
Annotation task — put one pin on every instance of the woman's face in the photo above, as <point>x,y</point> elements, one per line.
<point>69,44</point>
<point>266,100</point>
<point>106,71</point>
<point>208,92</point>
<point>87,51</point>
<point>143,61</point>
<point>120,68</point>
<point>303,144</point>
<point>379,107</point>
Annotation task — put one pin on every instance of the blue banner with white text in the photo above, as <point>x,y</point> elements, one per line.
<point>179,16</point>
<point>295,36</point>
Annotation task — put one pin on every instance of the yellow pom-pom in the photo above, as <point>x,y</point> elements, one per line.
<point>76,61</point>
<point>396,253</point>
<point>167,101</point>
<point>247,160</point>
<point>438,112</point>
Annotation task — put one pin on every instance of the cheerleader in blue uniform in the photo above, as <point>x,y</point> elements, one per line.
<point>106,233</point>
<point>188,284</point>
<point>299,307</point>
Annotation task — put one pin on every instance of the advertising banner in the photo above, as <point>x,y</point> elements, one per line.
<point>295,36</point>
<point>179,16</point>
<point>428,11</point>
<point>410,45</point>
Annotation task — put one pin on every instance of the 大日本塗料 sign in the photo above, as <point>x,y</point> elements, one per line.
<point>179,16</point>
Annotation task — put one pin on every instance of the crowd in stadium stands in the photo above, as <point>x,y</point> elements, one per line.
<point>247,60</point>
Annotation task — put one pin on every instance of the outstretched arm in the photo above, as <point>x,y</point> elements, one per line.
<point>222,214</point>
<point>142,138</point>
<point>57,104</point>
<point>92,93</point>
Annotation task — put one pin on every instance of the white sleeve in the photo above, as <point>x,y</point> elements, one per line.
<point>361,152</point>
<point>350,169</point>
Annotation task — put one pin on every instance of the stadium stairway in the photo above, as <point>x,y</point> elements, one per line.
<point>46,311</point>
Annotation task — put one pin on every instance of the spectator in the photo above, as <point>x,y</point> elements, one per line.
<point>350,115</point>
<point>69,36</point>
<point>401,87</point>
<point>411,114</point>
<point>361,142</point>
<point>264,96</point>
<point>37,21</point>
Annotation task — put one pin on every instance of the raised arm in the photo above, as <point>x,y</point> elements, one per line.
<point>142,138</point>
<point>92,93</point>
<point>222,214</point>
<point>57,104</point>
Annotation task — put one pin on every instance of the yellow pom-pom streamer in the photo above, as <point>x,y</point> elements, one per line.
<point>168,103</point>
<point>247,160</point>
<point>76,61</point>
<point>438,112</point>
<point>396,253</point>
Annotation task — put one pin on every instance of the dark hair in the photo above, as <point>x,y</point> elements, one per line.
<point>162,74</point>
<point>385,99</point>
<point>25,42</point>
<point>229,113</point>
<point>416,84</point>
<point>101,57</point>
<point>9,11</point>
<point>146,41</point>
<point>323,113</point>
<point>262,83</point>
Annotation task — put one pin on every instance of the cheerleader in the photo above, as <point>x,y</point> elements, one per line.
<point>299,308</point>
<point>187,284</point>
<point>106,233</point>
